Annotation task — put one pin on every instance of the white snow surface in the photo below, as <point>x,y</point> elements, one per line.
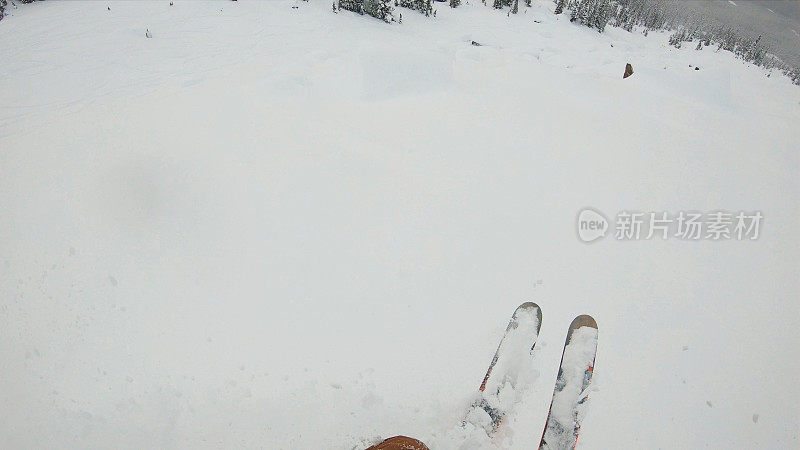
<point>269,227</point>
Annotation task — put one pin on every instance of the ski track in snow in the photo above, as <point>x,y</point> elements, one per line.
<point>282,228</point>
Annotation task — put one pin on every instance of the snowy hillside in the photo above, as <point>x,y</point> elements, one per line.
<point>274,226</point>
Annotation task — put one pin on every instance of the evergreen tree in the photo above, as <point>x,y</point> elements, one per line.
<point>381,9</point>
<point>583,12</point>
<point>455,3</point>
<point>356,6</point>
<point>560,6</point>
<point>4,4</point>
<point>756,52</point>
<point>500,4</point>
<point>794,74</point>
<point>675,39</point>
<point>592,13</point>
<point>423,6</point>
<point>575,11</point>
<point>601,15</point>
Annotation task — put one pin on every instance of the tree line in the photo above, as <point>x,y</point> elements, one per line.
<point>630,15</point>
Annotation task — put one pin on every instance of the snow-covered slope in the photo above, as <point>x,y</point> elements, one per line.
<point>270,227</point>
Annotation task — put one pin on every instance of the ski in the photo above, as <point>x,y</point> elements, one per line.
<point>496,390</point>
<point>572,386</point>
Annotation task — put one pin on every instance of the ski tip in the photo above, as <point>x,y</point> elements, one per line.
<point>579,322</point>
<point>583,321</point>
<point>529,306</point>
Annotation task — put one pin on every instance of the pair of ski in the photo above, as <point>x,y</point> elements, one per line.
<point>571,390</point>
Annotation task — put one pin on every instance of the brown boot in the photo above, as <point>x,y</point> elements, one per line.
<point>400,443</point>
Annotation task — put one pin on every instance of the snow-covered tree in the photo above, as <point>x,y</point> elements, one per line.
<point>381,9</point>
<point>794,75</point>
<point>578,11</point>
<point>500,4</point>
<point>423,6</point>
<point>755,52</point>
<point>560,4</point>
<point>592,13</point>
<point>352,5</point>
<point>4,4</point>
<point>676,38</point>
<point>601,15</point>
